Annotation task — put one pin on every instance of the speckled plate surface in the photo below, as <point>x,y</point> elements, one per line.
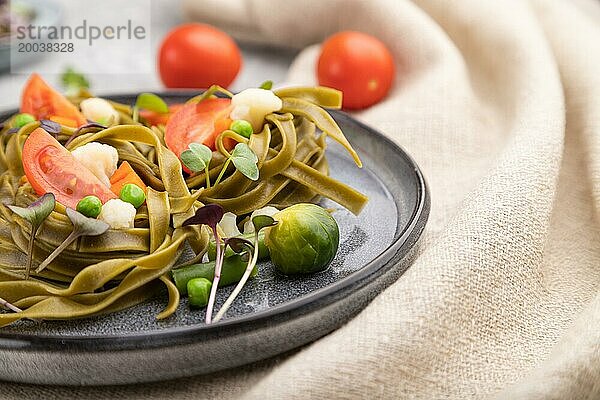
<point>273,314</point>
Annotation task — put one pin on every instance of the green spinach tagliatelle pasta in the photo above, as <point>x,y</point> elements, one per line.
<point>121,268</point>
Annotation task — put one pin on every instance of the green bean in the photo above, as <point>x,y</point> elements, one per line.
<point>233,269</point>
<point>198,290</point>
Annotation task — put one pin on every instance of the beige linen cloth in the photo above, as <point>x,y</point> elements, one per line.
<point>499,103</point>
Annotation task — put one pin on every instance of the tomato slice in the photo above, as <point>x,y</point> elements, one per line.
<point>154,118</point>
<point>197,123</point>
<point>43,102</point>
<point>50,168</point>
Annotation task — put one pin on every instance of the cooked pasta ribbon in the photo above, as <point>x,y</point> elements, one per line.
<point>122,268</point>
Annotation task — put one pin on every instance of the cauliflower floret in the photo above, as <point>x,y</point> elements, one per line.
<point>268,211</point>
<point>228,225</point>
<point>101,159</point>
<point>118,214</point>
<point>100,111</point>
<point>253,105</point>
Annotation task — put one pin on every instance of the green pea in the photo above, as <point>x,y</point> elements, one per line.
<point>198,291</point>
<point>133,194</point>
<point>22,119</point>
<point>242,127</point>
<point>90,206</point>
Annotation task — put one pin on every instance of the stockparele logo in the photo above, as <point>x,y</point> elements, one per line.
<point>85,31</point>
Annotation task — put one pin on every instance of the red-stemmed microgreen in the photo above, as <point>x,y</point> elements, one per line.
<point>51,127</point>
<point>9,306</point>
<point>210,215</point>
<point>36,213</point>
<point>150,102</point>
<point>82,226</point>
<point>259,222</point>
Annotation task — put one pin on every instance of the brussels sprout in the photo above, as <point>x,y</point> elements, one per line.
<point>304,241</point>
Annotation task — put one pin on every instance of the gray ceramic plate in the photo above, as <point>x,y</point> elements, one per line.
<point>274,314</point>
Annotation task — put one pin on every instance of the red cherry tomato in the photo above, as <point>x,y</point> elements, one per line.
<point>359,65</point>
<point>43,102</point>
<point>198,56</point>
<point>50,168</point>
<point>197,123</point>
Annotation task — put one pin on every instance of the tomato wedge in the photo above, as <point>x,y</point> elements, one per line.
<point>50,168</point>
<point>43,102</point>
<point>154,118</point>
<point>197,123</point>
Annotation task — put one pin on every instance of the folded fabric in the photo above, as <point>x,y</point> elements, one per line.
<point>498,102</point>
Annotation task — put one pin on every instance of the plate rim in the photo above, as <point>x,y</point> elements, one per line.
<point>158,338</point>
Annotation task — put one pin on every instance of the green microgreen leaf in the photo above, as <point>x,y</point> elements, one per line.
<point>259,222</point>
<point>197,157</point>
<point>36,213</point>
<point>151,102</point>
<point>191,161</point>
<point>201,151</point>
<point>74,81</point>
<point>262,221</point>
<point>267,85</point>
<point>245,161</point>
<point>82,226</point>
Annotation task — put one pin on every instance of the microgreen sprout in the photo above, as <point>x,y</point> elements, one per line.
<point>210,215</point>
<point>82,226</point>
<point>259,222</point>
<point>74,82</point>
<point>150,102</point>
<point>267,85</point>
<point>9,306</point>
<point>35,214</point>
<point>51,127</point>
<point>197,158</point>
<point>244,160</point>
